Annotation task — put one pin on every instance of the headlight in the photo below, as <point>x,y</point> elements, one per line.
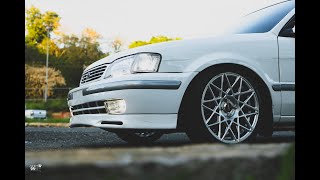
<point>137,63</point>
<point>121,67</point>
<point>146,62</point>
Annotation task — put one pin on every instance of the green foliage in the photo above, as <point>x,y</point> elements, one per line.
<point>138,43</point>
<point>82,49</point>
<point>32,54</point>
<point>48,120</point>
<point>153,40</point>
<point>52,105</point>
<point>71,70</point>
<point>287,165</point>
<point>37,24</point>
<point>158,39</point>
<point>77,53</point>
<point>67,53</point>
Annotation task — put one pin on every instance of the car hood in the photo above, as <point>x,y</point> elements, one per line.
<point>185,49</point>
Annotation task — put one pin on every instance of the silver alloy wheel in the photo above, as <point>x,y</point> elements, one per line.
<point>145,134</point>
<point>230,107</point>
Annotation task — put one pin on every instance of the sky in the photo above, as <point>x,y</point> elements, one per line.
<point>132,20</point>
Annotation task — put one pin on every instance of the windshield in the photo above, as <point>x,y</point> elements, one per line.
<point>264,19</point>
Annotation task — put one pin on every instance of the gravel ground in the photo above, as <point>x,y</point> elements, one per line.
<point>50,138</point>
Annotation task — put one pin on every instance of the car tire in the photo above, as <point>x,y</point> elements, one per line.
<point>141,137</point>
<point>228,115</point>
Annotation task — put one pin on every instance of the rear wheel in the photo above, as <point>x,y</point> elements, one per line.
<point>139,137</point>
<point>226,105</point>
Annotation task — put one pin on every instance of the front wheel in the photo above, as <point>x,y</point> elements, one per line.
<point>140,137</point>
<point>226,106</point>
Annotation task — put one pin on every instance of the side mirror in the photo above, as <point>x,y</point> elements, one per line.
<point>294,29</point>
<point>290,32</point>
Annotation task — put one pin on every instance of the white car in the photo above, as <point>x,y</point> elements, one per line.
<point>35,114</point>
<point>227,88</point>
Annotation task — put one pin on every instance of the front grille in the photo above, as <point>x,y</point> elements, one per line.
<point>95,107</point>
<point>93,73</point>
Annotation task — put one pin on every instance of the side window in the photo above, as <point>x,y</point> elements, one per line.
<point>288,30</point>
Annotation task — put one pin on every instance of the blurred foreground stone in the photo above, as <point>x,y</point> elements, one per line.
<point>198,161</point>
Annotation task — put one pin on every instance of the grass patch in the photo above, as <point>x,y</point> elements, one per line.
<point>288,165</point>
<point>52,105</point>
<point>48,120</point>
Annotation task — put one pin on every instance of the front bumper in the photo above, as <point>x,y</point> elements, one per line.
<point>126,121</point>
<point>152,101</point>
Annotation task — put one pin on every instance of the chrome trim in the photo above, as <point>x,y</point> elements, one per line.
<point>93,73</point>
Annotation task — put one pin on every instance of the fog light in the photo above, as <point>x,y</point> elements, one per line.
<point>115,106</point>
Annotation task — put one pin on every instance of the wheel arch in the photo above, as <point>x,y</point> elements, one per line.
<point>266,127</point>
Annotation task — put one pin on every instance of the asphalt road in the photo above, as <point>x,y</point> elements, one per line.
<point>46,138</point>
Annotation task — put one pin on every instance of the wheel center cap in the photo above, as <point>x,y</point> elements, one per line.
<point>228,106</point>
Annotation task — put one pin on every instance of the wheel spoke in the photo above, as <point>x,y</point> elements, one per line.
<point>231,86</point>
<point>248,122</point>
<point>221,86</point>
<point>208,108</point>
<point>219,130</point>
<point>222,91</point>
<point>245,104</point>
<point>238,127</point>
<point>244,92</point>
<point>225,120</point>
<point>214,97</point>
<point>214,112</point>
<point>246,115</point>
<point>239,90</point>
<point>210,100</point>
<point>248,98</point>
<point>234,136</point>
<point>227,129</point>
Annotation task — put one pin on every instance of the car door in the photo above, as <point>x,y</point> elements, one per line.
<point>286,43</point>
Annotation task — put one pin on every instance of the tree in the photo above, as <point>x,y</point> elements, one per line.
<point>35,80</point>
<point>70,54</point>
<point>137,44</point>
<point>116,44</point>
<point>91,35</point>
<point>37,24</point>
<point>83,50</point>
<point>153,40</point>
<point>158,39</point>
<point>77,53</point>
<point>54,50</point>
<point>32,54</point>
